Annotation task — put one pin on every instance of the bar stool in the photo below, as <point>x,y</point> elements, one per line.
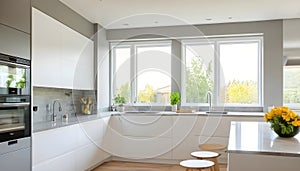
<point>199,165</point>
<point>212,147</point>
<point>208,155</point>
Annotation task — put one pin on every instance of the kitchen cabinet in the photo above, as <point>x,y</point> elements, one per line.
<point>16,14</point>
<point>191,131</point>
<point>15,28</point>
<point>72,148</point>
<point>147,136</point>
<point>62,57</point>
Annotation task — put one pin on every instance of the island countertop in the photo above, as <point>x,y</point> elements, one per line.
<point>259,138</point>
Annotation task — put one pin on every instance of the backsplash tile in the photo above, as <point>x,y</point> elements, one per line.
<point>69,99</point>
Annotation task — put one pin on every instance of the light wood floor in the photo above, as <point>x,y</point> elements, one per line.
<point>131,166</point>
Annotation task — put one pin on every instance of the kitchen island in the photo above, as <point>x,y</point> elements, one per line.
<point>254,146</point>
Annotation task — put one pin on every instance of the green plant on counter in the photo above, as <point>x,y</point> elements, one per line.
<point>9,80</point>
<point>119,100</point>
<point>21,82</point>
<point>174,98</point>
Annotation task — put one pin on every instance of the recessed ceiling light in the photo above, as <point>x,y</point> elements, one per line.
<point>125,24</point>
<point>229,18</point>
<point>155,22</point>
<point>208,19</point>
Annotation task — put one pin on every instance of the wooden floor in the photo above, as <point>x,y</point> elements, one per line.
<point>131,166</point>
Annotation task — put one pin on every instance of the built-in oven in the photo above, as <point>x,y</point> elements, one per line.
<point>15,120</point>
<point>15,113</point>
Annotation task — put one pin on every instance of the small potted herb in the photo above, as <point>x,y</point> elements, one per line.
<point>120,101</point>
<point>174,100</point>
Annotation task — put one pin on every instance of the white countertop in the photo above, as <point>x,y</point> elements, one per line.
<point>46,125</point>
<point>258,138</point>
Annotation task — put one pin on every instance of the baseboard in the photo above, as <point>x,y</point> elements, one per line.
<point>108,159</point>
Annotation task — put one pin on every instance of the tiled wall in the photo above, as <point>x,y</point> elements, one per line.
<point>70,100</point>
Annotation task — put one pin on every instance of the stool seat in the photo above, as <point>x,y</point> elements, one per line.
<point>204,154</point>
<point>212,147</point>
<point>197,164</point>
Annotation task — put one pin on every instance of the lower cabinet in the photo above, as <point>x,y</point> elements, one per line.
<point>71,148</point>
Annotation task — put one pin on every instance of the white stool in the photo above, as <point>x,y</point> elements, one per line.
<point>208,155</point>
<point>191,165</point>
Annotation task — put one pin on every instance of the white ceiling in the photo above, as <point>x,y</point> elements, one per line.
<point>113,14</point>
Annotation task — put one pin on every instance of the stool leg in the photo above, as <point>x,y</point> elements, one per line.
<point>216,167</point>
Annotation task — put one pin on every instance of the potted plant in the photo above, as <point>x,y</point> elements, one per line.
<point>174,100</point>
<point>283,121</point>
<point>120,101</point>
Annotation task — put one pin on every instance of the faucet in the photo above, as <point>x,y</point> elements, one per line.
<point>209,100</point>
<point>53,116</point>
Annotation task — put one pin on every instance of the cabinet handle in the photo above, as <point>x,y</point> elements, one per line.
<point>12,142</point>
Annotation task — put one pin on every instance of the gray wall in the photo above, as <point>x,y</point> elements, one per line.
<point>273,47</point>
<point>66,15</point>
<point>102,65</point>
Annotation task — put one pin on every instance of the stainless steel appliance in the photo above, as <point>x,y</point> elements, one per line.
<point>15,114</point>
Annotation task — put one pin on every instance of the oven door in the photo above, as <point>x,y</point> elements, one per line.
<point>14,120</point>
<point>14,78</point>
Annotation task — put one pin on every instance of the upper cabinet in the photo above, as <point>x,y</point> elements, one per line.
<point>16,14</point>
<point>15,28</point>
<point>61,57</point>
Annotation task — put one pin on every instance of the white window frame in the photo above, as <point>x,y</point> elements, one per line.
<point>217,42</point>
<point>293,106</point>
<point>133,67</point>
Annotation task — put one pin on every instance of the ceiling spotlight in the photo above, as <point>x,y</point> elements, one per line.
<point>125,24</point>
<point>155,22</point>
<point>208,19</point>
<point>229,18</point>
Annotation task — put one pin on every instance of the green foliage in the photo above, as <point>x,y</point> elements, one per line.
<point>148,95</point>
<point>174,98</point>
<point>124,91</point>
<point>198,81</point>
<point>244,92</point>
<point>292,85</point>
<point>279,124</point>
<point>120,100</point>
<point>21,82</point>
<point>9,80</point>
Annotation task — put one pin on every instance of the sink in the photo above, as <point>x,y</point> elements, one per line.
<point>216,112</point>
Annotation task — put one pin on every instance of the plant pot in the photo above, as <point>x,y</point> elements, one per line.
<point>292,134</point>
<point>121,108</point>
<point>174,108</point>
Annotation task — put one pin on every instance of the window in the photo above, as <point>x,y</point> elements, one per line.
<point>291,87</point>
<point>142,71</point>
<point>231,68</point>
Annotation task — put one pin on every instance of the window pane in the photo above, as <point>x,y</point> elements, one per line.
<point>153,74</point>
<point>122,72</point>
<point>199,61</point>
<point>291,88</point>
<point>239,67</point>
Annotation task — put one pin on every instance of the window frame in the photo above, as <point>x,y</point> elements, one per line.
<point>293,106</point>
<point>217,63</point>
<point>133,45</point>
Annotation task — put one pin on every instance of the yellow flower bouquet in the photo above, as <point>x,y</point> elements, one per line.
<point>284,121</point>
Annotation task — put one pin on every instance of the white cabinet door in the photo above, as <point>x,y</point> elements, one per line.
<point>65,162</point>
<point>56,142</point>
<point>46,50</point>
<point>147,126</point>
<point>62,57</point>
